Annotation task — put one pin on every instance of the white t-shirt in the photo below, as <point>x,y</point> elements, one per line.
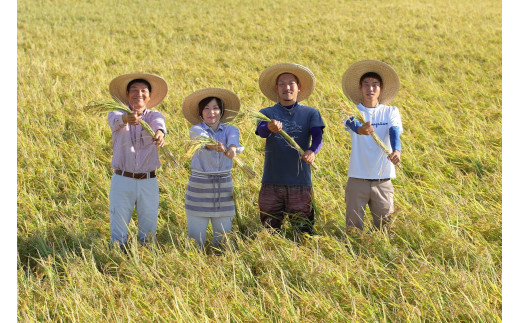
<point>367,159</point>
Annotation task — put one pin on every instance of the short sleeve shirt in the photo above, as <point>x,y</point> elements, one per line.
<point>283,165</point>
<point>367,159</point>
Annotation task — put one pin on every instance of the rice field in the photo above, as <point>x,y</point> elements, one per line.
<point>440,262</point>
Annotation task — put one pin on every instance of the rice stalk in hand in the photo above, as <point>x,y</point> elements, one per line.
<point>200,142</point>
<point>109,106</point>
<point>360,117</point>
<point>284,134</point>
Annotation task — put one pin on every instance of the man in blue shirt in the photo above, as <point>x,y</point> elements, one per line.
<point>286,182</point>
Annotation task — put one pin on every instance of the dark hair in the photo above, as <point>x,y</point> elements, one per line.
<point>139,81</point>
<point>371,74</point>
<point>296,77</point>
<point>205,102</point>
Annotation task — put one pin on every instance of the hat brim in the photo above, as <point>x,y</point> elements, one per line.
<point>159,87</point>
<point>267,80</point>
<point>190,106</point>
<point>352,75</point>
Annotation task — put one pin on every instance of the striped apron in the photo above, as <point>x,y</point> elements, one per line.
<point>210,195</point>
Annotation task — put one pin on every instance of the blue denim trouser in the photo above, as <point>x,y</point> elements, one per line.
<point>125,193</point>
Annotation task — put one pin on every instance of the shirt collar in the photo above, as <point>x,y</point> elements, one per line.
<point>286,107</point>
<point>377,106</point>
<point>206,127</point>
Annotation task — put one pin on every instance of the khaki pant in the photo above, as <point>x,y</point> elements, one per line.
<point>379,195</point>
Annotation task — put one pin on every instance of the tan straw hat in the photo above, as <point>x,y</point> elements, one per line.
<point>351,78</point>
<point>268,78</point>
<point>159,87</point>
<point>190,106</point>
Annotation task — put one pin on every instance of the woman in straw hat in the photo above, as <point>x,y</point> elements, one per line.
<point>371,85</point>
<point>210,189</point>
<point>135,156</point>
<point>286,181</point>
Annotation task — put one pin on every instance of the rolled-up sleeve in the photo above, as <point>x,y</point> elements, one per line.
<point>157,121</point>
<point>233,138</point>
<point>115,120</point>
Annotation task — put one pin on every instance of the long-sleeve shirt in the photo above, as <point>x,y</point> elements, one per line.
<point>208,160</point>
<point>133,148</point>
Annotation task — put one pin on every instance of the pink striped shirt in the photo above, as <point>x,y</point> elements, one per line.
<point>134,150</point>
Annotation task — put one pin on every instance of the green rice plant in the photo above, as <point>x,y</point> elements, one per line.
<point>109,106</point>
<point>201,141</point>
<point>284,134</point>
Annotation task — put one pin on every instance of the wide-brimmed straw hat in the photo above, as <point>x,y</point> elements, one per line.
<point>190,106</point>
<point>159,87</point>
<point>268,78</point>
<point>351,78</point>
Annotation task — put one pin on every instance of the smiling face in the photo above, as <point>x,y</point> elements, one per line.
<point>370,88</point>
<point>138,95</point>
<point>211,113</point>
<point>287,88</point>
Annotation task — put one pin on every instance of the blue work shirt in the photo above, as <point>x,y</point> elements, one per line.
<point>282,164</point>
<point>208,160</point>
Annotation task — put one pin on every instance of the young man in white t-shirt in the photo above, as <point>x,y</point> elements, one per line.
<point>371,85</point>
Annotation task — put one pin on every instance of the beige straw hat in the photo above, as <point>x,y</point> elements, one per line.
<point>268,78</point>
<point>350,81</point>
<point>159,87</point>
<point>190,106</point>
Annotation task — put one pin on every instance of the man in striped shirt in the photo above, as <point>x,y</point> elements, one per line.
<point>135,155</point>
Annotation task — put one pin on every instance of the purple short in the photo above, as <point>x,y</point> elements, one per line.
<point>276,201</point>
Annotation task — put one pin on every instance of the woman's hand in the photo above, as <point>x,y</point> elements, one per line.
<point>218,147</point>
<point>231,152</point>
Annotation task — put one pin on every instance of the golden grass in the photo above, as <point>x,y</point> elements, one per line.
<point>441,261</point>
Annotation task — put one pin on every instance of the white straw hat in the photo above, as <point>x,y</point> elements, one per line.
<point>158,92</point>
<point>190,106</point>
<point>351,78</point>
<point>268,78</point>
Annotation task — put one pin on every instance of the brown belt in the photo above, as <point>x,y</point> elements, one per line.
<point>136,175</point>
<point>373,180</point>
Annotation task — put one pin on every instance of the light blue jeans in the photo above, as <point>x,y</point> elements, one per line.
<point>197,226</point>
<point>125,193</point>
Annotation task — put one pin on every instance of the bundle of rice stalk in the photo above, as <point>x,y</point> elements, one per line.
<point>284,134</point>
<point>359,116</point>
<point>105,107</point>
<point>201,141</point>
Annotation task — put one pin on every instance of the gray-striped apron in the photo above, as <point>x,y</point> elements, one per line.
<point>210,195</point>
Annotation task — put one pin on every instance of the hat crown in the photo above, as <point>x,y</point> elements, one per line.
<point>352,76</point>
<point>159,86</point>
<point>190,106</point>
<point>267,80</point>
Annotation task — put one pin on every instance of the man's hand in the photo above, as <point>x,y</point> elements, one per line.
<point>274,126</point>
<point>365,129</point>
<point>159,138</point>
<point>132,119</point>
<point>395,157</point>
<point>309,156</point>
